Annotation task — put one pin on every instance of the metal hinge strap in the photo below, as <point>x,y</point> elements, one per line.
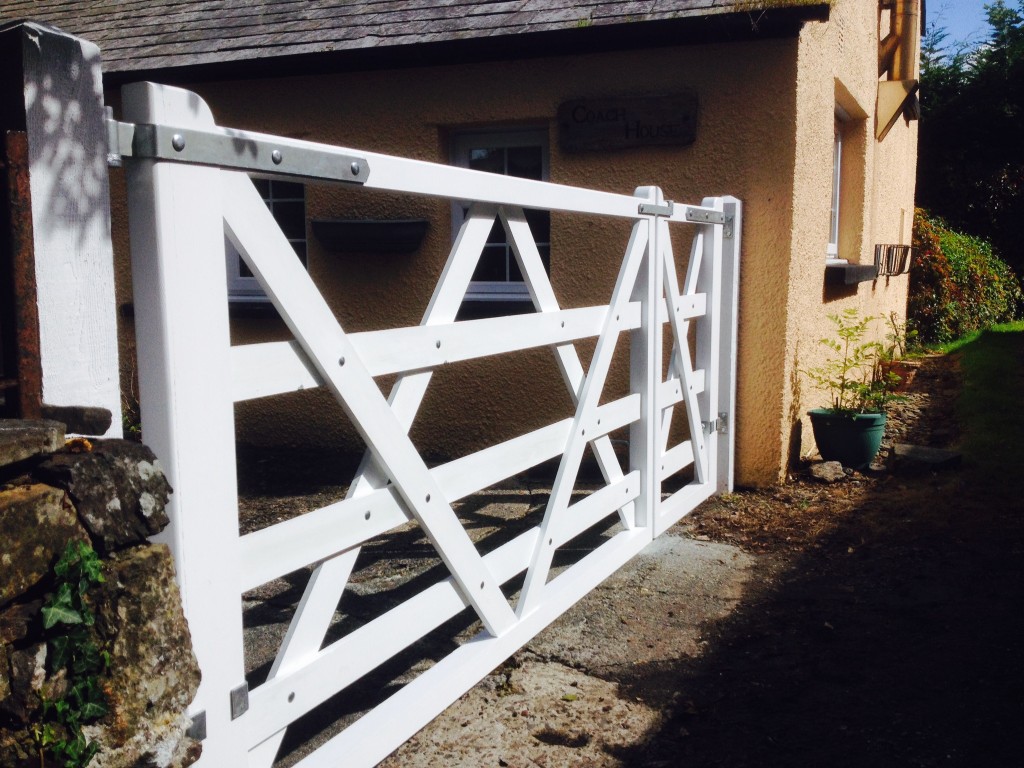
<point>233,150</point>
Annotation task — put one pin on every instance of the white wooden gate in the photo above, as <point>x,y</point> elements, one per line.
<point>188,187</point>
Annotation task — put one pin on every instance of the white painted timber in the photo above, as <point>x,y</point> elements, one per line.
<point>181,214</point>
<point>181,318</point>
<point>287,546</point>
<point>74,256</point>
<point>261,370</point>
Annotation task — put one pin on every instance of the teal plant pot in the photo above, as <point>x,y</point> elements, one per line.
<point>853,440</point>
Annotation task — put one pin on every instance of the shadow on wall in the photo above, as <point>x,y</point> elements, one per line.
<point>67,133</point>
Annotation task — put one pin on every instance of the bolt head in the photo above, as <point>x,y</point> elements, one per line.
<point>178,142</point>
<point>355,168</point>
<point>276,156</point>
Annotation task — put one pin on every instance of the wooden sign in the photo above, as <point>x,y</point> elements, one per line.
<point>618,123</point>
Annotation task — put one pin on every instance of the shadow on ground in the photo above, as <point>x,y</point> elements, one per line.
<point>902,650</point>
<point>895,639</point>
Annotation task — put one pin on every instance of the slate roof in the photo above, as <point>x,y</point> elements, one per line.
<point>137,36</point>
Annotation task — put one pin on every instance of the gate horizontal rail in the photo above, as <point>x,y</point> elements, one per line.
<point>188,188</point>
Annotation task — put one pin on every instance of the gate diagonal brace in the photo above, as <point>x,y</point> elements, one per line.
<point>252,229</point>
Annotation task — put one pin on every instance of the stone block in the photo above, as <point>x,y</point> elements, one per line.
<point>80,419</point>
<point>16,619</point>
<point>828,471</point>
<point>153,672</point>
<point>36,523</point>
<point>910,459</point>
<point>27,677</point>
<point>20,440</point>
<point>118,488</point>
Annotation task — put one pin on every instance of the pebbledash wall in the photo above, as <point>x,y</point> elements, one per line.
<point>765,133</point>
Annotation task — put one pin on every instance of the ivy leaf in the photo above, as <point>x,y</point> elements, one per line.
<point>92,710</point>
<point>60,652</point>
<point>92,567</point>
<point>60,609</point>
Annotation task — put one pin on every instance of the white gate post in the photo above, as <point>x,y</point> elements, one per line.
<point>180,284</point>
<point>70,212</point>
<point>729,303</point>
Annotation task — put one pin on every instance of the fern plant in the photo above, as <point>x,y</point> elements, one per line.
<point>855,377</point>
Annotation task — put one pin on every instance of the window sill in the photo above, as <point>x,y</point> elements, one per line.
<point>841,272</point>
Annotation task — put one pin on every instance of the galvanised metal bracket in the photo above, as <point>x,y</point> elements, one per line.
<point>654,209</point>
<point>233,150</point>
<point>197,730</point>
<point>704,216</point>
<point>239,701</point>
<point>720,425</point>
<point>727,230</point>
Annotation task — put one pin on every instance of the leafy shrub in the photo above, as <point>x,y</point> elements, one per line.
<point>957,284</point>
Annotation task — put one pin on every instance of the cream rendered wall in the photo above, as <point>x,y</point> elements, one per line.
<point>838,63</point>
<point>745,147</point>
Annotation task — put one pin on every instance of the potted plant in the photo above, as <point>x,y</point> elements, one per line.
<point>860,388</point>
<point>898,340</point>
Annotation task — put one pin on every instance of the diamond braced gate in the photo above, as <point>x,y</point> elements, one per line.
<point>188,187</point>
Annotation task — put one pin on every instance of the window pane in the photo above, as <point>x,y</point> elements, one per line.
<point>286,189</point>
<point>491,160</point>
<point>263,187</point>
<point>525,162</point>
<point>292,218</point>
<point>497,234</point>
<point>514,273</point>
<point>545,256</point>
<point>837,163</point>
<point>540,225</point>
<point>492,264</point>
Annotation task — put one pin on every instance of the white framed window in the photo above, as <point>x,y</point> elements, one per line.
<point>287,202</point>
<point>832,249</point>
<point>510,152</point>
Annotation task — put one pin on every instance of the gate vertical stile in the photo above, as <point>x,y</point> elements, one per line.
<point>645,372</point>
<point>179,282</point>
<point>708,341</point>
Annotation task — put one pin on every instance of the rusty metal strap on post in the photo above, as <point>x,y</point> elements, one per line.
<point>20,318</point>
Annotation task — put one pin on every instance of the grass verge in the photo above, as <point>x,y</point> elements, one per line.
<point>990,403</point>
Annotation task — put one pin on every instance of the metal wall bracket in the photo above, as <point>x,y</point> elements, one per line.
<point>704,216</point>
<point>239,701</point>
<point>233,150</point>
<point>727,230</point>
<point>720,425</point>
<point>655,209</point>
<point>197,730</point>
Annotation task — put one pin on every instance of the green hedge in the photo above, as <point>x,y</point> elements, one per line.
<point>957,284</point>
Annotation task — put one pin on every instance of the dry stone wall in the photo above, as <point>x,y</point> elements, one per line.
<point>109,495</point>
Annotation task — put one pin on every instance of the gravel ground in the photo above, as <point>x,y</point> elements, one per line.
<point>872,621</point>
